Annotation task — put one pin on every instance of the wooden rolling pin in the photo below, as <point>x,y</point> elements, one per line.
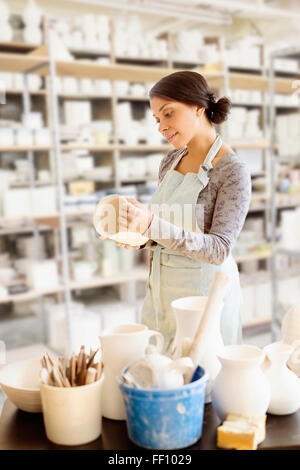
<point>203,333</point>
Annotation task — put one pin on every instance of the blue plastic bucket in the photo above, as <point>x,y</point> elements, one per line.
<point>165,418</point>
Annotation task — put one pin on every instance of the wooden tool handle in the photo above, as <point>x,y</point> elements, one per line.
<point>214,301</point>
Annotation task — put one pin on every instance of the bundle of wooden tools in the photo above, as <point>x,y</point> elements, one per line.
<point>80,369</point>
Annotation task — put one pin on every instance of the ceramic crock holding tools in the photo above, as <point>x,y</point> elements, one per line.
<point>71,397</point>
<point>122,345</point>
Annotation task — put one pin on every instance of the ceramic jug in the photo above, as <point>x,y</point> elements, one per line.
<point>241,387</point>
<point>188,312</point>
<point>285,385</point>
<point>122,345</point>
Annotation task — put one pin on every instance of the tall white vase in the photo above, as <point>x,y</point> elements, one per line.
<point>188,312</point>
<point>285,385</point>
<point>241,387</point>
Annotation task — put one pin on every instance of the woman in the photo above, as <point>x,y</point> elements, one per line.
<point>201,173</point>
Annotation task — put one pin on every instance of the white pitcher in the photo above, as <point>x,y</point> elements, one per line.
<point>241,387</point>
<point>188,312</point>
<point>285,385</point>
<point>122,345</point>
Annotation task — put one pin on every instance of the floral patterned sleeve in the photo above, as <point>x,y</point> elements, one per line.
<point>226,201</point>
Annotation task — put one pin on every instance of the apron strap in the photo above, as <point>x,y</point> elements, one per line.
<point>207,164</point>
<point>155,282</point>
<point>180,155</point>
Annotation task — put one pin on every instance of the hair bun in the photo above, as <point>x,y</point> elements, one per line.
<point>219,110</point>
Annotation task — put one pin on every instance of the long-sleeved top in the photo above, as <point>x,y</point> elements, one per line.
<point>225,200</point>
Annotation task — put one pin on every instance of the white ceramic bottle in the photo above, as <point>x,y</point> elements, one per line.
<point>285,385</point>
<point>241,387</point>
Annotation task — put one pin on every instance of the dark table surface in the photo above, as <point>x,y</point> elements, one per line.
<point>20,430</point>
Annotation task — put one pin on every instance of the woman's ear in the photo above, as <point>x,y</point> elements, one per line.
<point>200,111</point>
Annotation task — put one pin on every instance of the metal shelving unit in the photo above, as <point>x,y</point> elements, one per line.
<point>294,54</point>
<point>47,66</point>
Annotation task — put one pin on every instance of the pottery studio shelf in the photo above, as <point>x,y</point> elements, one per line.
<point>39,64</point>
<point>111,147</point>
<point>25,148</point>
<point>253,256</point>
<point>139,273</point>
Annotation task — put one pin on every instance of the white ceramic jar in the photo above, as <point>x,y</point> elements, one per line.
<point>241,387</point>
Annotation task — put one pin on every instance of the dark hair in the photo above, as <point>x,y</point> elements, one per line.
<point>191,88</point>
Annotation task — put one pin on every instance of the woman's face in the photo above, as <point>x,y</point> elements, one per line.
<point>177,122</point>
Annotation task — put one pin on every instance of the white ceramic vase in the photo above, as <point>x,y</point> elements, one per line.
<point>188,312</point>
<point>285,385</point>
<point>241,387</point>
<point>121,345</point>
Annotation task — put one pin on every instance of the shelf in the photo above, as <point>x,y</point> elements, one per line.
<point>135,73</point>
<point>259,197</point>
<point>258,322</point>
<point>111,147</point>
<point>246,68</point>
<point>17,46</point>
<point>248,104</point>
<point>288,252</point>
<point>147,60</point>
<point>91,52</point>
<point>42,218</point>
<point>140,273</point>
<point>253,256</point>
<point>251,144</point>
<point>20,92</point>
<point>33,148</point>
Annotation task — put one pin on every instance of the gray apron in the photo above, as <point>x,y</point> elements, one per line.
<point>173,275</point>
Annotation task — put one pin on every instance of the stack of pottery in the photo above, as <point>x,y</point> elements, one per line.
<point>32,19</point>
<point>6,32</point>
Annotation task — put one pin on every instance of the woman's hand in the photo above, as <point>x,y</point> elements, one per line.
<point>133,217</point>
<point>103,237</point>
<point>136,217</point>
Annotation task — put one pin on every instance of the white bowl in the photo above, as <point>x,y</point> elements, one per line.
<point>21,383</point>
